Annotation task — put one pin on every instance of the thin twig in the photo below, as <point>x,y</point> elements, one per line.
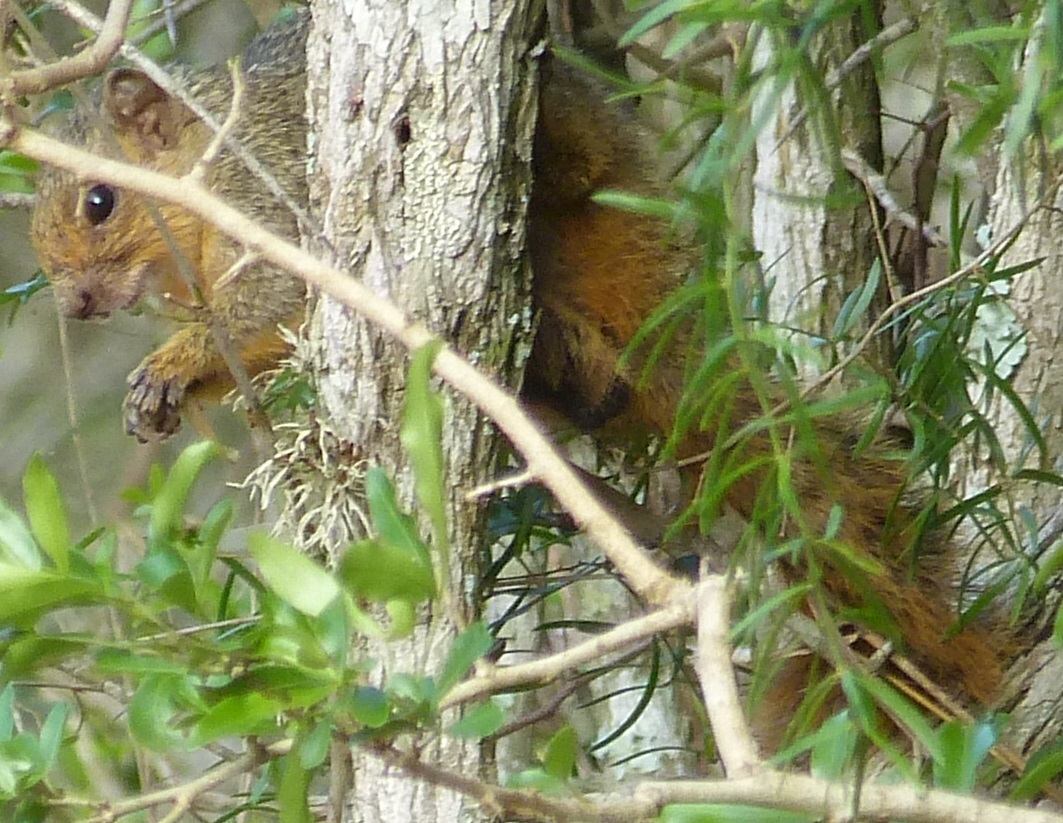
<point>75,422</point>
<point>510,481</point>
<point>879,187</point>
<point>185,794</point>
<point>505,678</point>
<point>110,36</point>
<point>864,52</point>
<point>221,136</point>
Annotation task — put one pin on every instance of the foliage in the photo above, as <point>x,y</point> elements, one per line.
<point>210,637</point>
<point>214,635</point>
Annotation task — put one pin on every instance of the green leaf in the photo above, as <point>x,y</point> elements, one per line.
<point>47,515</point>
<point>989,34</point>
<point>964,748</point>
<point>402,616</point>
<point>393,526</point>
<point>832,750</point>
<point>168,507</point>
<point>381,571</point>
<point>241,715</point>
<point>854,309</point>
<point>657,15</point>
<point>469,646</point>
<point>52,736</point>
<point>292,792</point>
<point>479,721</point>
<point>295,578</point>
<point>421,435</point>
<point>124,662</point>
<point>538,780</point>
<point>24,593</point>
<point>154,707</point>
<point>314,748</point>
<point>899,707</point>
<point>559,759</point>
<point>28,653</point>
<point>1045,765</point>
<point>411,693</point>
<point>7,713</point>
<point>370,706</point>
<point>16,543</point>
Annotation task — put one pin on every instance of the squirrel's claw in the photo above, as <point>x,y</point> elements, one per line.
<point>152,406</point>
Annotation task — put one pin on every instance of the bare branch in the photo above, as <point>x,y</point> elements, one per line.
<point>767,789</point>
<point>738,750</point>
<point>877,185</point>
<point>110,36</point>
<point>184,796</point>
<point>504,678</point>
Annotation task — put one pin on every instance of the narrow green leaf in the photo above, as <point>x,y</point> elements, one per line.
<point>7,713</point>
<point>964,748</point>
<point>854,309</point>
<point>295,578</point>
<point>421,435</point>
<point>168,507</point>
<point>989,34</point>
<point>903,710</point>
<point>657,15</point>
<point>1045,765</point>
<point>1020,122</point>
<point>125,662</point>
<point>46,513</point>
<point>52,735</point>
<point>538,780</point>
<point>402,616</point>
<point>725,813</point>
<point>153,707</point>
<point>314,748</point>
<point>469,646</point>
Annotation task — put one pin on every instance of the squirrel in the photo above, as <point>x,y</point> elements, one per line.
<point>598,274</point>
<point>104,249</point>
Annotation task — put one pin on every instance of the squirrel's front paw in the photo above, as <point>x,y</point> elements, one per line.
<point>152,407</point>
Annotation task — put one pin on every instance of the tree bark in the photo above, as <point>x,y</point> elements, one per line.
<point>814,254</point>
<point>422,118</point>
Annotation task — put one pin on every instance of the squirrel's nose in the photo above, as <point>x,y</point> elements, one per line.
<point>82,304</point>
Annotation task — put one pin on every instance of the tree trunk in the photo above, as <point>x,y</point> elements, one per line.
<point>421,117</point>
<point>814,254</point>
<point>1036,299</point>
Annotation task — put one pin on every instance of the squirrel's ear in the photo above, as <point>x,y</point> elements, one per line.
<point>143,112</point>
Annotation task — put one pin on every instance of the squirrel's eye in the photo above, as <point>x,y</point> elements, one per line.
<point>99,203</point>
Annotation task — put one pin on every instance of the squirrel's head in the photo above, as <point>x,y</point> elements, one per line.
<point>102,247</point>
